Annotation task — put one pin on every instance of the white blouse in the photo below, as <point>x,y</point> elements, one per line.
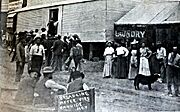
<point>108,50</point>
<point>38,51</point>
<point>122,51</point>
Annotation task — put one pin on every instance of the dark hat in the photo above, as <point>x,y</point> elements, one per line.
<point>75,36</point>
<point>77,74</point>
<point>31,31</point>
<point>35,70</point>
<point>43,29</point>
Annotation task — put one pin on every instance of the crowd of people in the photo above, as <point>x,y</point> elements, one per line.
<point>127,62</point>
<point>38,50</point>
<point>45,54</point>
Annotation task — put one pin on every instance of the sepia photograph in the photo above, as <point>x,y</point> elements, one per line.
<point>89,55</point>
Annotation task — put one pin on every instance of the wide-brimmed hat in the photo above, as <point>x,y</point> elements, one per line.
<point>48,70</point>
<point>134,42</point>
<point>38,37</point>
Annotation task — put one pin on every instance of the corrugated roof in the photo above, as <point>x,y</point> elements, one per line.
<point>149,13</point>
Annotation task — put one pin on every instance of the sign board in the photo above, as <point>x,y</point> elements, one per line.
<point>129,34</point>
<point>81,101</point>
<point>129,31</point>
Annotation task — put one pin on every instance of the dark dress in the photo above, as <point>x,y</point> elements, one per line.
<point>154,65</point>
<point>121,67</point>
<point>122,64</point>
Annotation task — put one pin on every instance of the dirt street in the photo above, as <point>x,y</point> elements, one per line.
<point>112,95</point>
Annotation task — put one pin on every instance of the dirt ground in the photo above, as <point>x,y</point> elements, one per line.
<point>111,95</point>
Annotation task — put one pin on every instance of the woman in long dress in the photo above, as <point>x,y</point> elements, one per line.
<point>145,53</point>
<point>122,54</point>
<point>108,54</point>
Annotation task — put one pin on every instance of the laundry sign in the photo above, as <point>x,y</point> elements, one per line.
<point>129,34</point>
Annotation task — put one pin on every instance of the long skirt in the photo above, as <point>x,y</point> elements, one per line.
<point>108,66</point>
<point>144,67</point>
<point>133,70</point>
<point>154,65</point>
<point>121,67</point>
<point>37,62</point>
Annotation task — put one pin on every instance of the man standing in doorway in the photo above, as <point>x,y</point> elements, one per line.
<point>20,58</point>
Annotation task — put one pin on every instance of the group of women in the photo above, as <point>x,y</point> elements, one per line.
<point>121,62</point>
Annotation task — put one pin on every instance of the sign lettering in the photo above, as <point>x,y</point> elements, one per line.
<point>130,34</point>
<point>81,101</point>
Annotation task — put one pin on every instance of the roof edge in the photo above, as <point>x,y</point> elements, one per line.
<point>51,5</point>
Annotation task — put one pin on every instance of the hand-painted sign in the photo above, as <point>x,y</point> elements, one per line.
<point>129,34</point>
<point>81,101</point>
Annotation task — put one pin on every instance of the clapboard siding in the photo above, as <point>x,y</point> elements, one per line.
<point>86,19</point>
<point>31,20</point>
<point>35,19</point>
<point>92,21</point>
<point>115,10</point>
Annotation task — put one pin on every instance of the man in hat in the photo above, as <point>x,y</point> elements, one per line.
<point>13,47</point>
<point>36,33</point>
<point>46,87</point>
<point>76,52</point>
<point>37,55</point>
<point>43,33</point>
<point>48,43</point>
<point>161,58</point>
<point>66,50</point>
<point>76,82</point>
<point>58,53</point>
<point>25,93</point>
<point>51,28</point>
<point>173,67</point>
<point>20,58</point>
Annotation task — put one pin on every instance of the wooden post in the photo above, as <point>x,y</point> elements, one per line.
<point>92,100</point>
<point>90,51</point>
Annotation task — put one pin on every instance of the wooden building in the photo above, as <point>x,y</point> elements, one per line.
<point>150,23</point>
<point>92,20</point>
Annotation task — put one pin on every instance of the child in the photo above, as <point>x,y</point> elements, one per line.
<point>133,69</point>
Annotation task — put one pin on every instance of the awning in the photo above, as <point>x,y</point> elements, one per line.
<point>151,13</point>
<point>11,15</point>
